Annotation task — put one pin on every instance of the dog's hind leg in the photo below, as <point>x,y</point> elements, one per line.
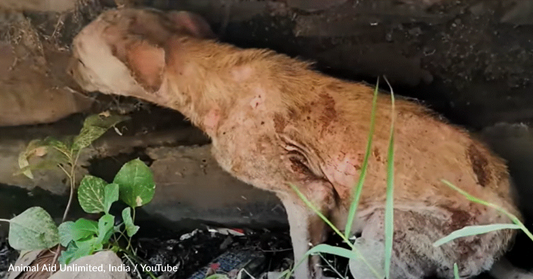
<point>415,257</point>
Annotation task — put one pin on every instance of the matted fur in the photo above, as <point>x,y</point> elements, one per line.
<point>275,121</point>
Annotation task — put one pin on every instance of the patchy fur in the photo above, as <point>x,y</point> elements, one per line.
<point>274,122</point>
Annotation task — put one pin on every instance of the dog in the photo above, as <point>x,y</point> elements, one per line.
<point>275,122</point>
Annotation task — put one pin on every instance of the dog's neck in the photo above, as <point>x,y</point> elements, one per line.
<point>198,82</point>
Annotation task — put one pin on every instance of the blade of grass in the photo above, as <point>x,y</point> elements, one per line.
<point>333,250</point>
<point>513,218</point>
<point>473,230</point>
<point>389,203</point>
<point>360,182</point>
<point>331,266</point>
<point>335,229</point>
<point>456,271</point>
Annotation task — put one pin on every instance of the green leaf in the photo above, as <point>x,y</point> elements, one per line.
<point>24,166</point>
<point>110,196</point>
<point>57,145</point>
<point>389,203</point>
<point>491,205</point>
<point>94,127</point>
<point>473,230</point>
<point>456,271</point>
<point>136,183</point>
<point>66,256</point>
<point>131,229</point>
<point>86,248</point>
<point>33,229</point>
<point>333,250</point>
<point>105,228</point>
<point>84,228</point>
<point>359,188</point>
<point>91,194</point>
<point>79,249</point>
<point>53,151</point>
<point>65,233</point>
<point>46,164</point>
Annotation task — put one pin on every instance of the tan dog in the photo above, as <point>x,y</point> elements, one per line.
<point>274,121</point>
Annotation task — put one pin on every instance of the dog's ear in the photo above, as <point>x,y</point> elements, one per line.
<point>192,23</point>
<point>146,63</point>
<point>144,58</point>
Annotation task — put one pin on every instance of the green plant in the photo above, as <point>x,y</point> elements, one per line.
<point>456,271</point>
<point>134,185</point>
<point>34,229</point>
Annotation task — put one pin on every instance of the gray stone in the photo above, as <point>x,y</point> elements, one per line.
<point>108,264</point>
<point>190,186</point>
<point>28,94</point>
<point>39,6</point>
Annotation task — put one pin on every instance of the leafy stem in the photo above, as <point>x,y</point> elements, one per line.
<point>72,178</point>
<point>133,221</point>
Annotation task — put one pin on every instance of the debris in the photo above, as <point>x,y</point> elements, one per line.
<point>226,231</point>
<point>226,243</point>
<point>188,235</point>
<point>251,261</point>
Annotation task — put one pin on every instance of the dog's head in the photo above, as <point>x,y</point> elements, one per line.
<point>123,51</point>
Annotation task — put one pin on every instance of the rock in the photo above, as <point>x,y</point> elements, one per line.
<point>29,94</point>
<point>35,264</point>
<point>190,186</point>
<point>107,264</point>
<point>38,6</point>
<point>15,139</point>
<point>25,259</point>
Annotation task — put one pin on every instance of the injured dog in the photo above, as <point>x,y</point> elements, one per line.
<point>274,121</point>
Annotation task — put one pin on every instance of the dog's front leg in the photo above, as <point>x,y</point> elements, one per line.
<point>306,227</point>
<point>298,216</point>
